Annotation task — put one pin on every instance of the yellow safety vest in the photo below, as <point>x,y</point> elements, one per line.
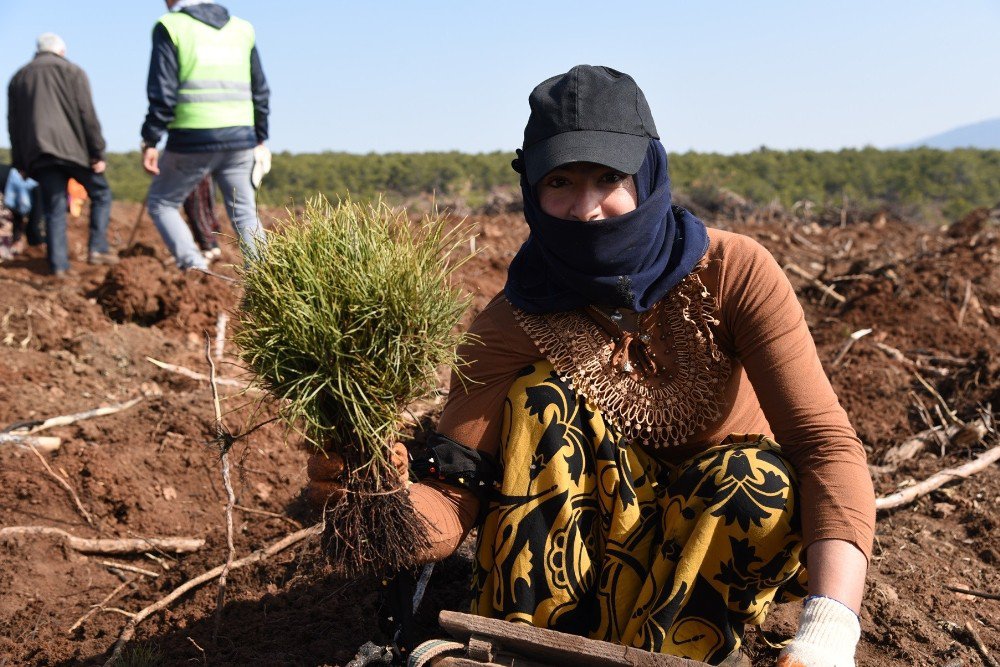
<point>214,71</point>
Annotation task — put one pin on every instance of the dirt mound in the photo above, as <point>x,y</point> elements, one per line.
<point>137,290</point>
<point>930,298</point>
<point>142,290</point>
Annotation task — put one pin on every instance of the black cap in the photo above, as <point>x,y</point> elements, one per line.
<point>588,114</point>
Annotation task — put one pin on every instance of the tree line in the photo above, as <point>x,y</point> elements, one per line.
<point>922,182</point>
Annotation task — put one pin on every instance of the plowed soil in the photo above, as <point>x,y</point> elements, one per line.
<point>931,298</point>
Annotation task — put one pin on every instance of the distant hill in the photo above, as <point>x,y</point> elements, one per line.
<point>984,135</point>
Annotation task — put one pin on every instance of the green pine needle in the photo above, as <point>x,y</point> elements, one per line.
<point>346,315</point>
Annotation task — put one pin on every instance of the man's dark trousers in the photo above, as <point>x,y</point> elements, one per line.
<point>52,180</point>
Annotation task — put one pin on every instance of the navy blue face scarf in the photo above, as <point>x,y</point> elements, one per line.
<point>629,261</point>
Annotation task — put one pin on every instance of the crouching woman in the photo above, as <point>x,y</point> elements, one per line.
<point>646,438</point>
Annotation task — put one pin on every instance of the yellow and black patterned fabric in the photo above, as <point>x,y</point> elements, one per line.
<point>589,535</point>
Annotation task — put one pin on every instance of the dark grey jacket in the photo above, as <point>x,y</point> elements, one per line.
<point>51,116</point>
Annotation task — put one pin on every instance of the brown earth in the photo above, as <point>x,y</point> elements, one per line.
<point>151,470</point>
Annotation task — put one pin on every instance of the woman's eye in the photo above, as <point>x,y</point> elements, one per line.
<point>556,182</point>
<point>613,177</point>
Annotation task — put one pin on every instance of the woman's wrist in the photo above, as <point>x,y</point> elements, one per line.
<point>837,570</point>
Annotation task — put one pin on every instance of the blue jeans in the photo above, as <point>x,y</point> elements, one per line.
<point>52,180</point>
<point>179,174</point>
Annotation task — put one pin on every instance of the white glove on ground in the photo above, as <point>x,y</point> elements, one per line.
<point>828,634</point>
<point>261,165</point>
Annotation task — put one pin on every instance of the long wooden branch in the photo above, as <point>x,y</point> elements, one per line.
<point>261,554</point>
<point>133,545</point>
<point>937,480</point>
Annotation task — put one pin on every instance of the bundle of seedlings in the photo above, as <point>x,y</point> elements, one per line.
<point>347,314</point>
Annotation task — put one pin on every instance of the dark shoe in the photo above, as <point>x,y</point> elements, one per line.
<point>105,258</point>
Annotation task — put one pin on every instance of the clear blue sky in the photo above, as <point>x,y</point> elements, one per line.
<point>721,76</point>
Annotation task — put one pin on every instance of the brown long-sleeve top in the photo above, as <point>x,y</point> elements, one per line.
<point>766,378</point>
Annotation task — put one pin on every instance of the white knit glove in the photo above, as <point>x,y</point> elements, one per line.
<point>828,633</point>
<point>261,165</point>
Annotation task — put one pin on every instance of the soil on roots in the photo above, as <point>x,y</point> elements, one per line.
<point>371,528</point>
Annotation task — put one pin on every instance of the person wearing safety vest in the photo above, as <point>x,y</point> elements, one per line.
<point>208,93</point>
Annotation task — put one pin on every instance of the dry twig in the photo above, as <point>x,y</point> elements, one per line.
<point>854,338</point>
<point>902,358</point>
<point>273,515</point>
<point>194,375</point>
<point>925,415</point>
<point>954,434</point>
<point>851,277</point>
<point>162,562</point>
<point>933,392</point>
<point>224,440</point>
<point>980,646</point>
<point>129,568</point>
<point>261,554</point>
<point>816,282</point>
<point>209,272</point>
<point>204,658</point>
<point>66,420</point>
<point>220,334</point>
<point>803,241</point>
<point>937,480</point>
<point>944,422</point>
<point>64,484</point>
<point>43,443</point>
<point>969,591</point>
<point>135,545</point>
<point>100,605</point>
<point>965,302</point>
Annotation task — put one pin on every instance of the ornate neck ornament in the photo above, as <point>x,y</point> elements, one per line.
<point>654,401</point>
<point>629,343</point>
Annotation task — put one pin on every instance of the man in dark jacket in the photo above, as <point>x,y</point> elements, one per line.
<point>207,90</point>
<point>55,136</point>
